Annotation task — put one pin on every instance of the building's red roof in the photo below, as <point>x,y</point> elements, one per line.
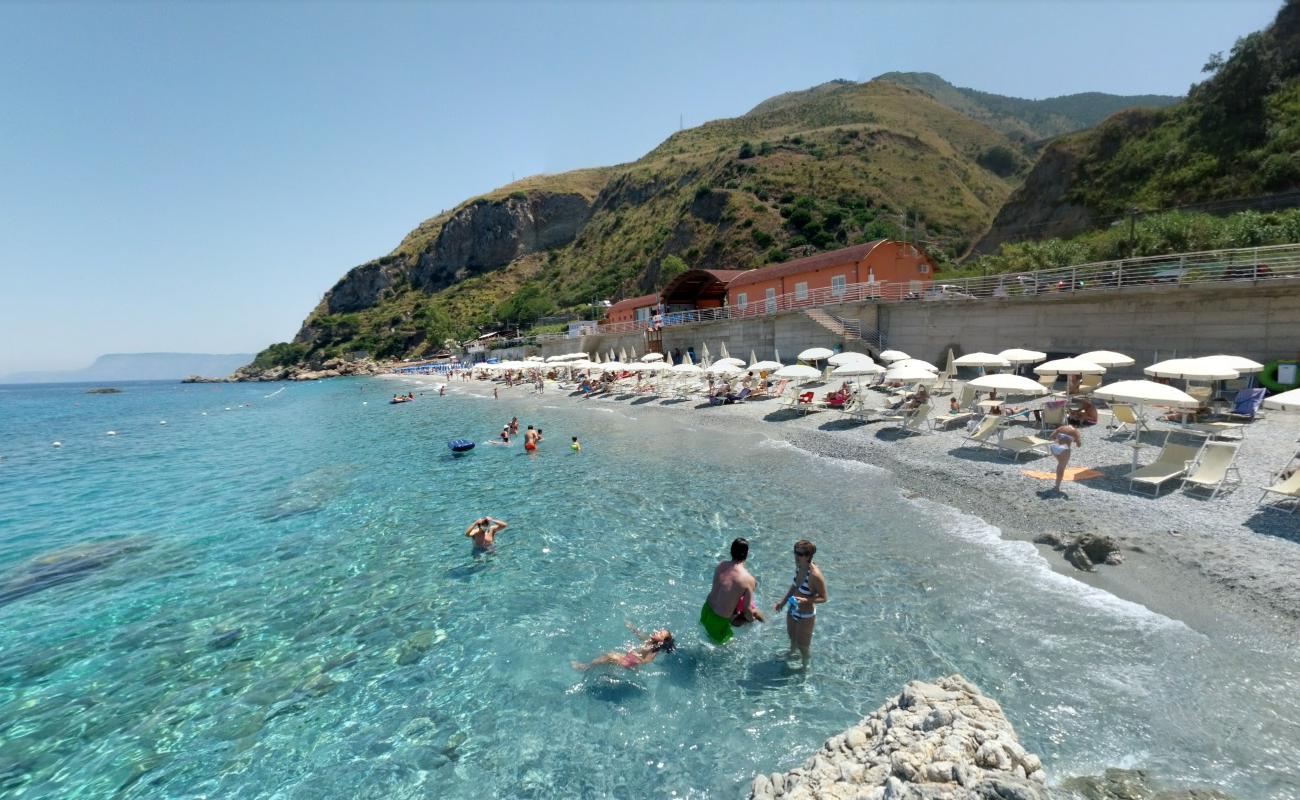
<point>807,264</point>
<point>694,284</point>
<point>634,303</point>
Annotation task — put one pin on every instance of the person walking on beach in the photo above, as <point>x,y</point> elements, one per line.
<point>1062,438</point>
<point>733,590</point>
<point>806,590</point>
<point>661,641</point>
<point>483,532</point>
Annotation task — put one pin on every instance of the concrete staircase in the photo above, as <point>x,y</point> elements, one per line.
<point>848,330</point>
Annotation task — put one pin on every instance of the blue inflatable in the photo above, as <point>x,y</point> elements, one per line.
<point>460,445</point>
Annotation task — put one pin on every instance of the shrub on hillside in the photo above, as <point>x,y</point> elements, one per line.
<point>280,354</point>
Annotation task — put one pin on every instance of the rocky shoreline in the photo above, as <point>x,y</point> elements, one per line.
<point>939,741</point>
<point>332,368</point>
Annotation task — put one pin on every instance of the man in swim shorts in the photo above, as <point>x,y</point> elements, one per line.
<point>733,588</point>
<point>530,440</point>
<point>483,532</point>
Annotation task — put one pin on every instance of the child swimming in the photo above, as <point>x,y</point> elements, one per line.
<point>661,641</point>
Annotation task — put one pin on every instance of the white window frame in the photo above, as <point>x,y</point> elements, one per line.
<point>770,296</point>
<point>838,285</point>
<point>923,268</point>
<point>742,300</point>
<point>801,290</point>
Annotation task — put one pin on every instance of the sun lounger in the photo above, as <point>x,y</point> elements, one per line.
<point>1173,462</point>
<point>1125,416</point>
<point>1089,384</point>
<point>1287,488</point>
<point>984,433</point>
<point>1214,467</point>
<point>1017,446</point>
<point>910,421</point>
<point>1247,405</point>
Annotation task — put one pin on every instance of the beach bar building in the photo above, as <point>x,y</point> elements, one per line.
<point>882,269</point>
<point>637,309</point>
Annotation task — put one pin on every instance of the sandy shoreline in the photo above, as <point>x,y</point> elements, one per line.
<point>1212,564</point>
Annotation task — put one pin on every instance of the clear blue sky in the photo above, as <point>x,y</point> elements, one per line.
<point>194,176</point>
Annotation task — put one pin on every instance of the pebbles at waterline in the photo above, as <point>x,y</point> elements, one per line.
<point>938,741</point>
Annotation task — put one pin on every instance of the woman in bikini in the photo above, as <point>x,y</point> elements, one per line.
<point>661,641</point>
<point>1062,438</point>
<point>807,590</point>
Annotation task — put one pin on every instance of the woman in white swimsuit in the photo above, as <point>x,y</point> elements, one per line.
<point>1062,438</point>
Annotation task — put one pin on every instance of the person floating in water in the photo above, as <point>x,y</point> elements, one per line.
<point>661,641</point>
<point>483,532</point>
<point>733,590</point>
<point>575,446</point>
<point>806,590</point>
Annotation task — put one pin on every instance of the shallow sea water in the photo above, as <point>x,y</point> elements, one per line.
<point>276,600</point>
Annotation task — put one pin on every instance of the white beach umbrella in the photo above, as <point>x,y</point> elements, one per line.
<point>722,351</point>
<point>1009,384</point>
<point>752,358</point>
<point>1192,369</point>
<point>848,357</point>
<point>985,360</point>
<point>858,368</point>
<point>736,362</point>
<point>1070,366</point>
<point>776,354</point>
<point>1106,358</point>
<point>704,354</point>
<point>1017,355</point>
<point>1286,401</point>
<point>800,372</point>
<point>685,369</point>
<point>648,357</point>
<point>686,358</point>
<point>890,356</point>
<point>910,374</point>
<point>622,354</point>
<point>553,359</point>
<point>765,366</point>
<point>914,362</point>
<point>1242,365</point>
<point>815,354</point>
<point>950,366</point>
<point>534,358</point>
<point>1147,393</point>
<point>723,368</point>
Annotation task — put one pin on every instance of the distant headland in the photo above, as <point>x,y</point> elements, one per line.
<point>138,367</point>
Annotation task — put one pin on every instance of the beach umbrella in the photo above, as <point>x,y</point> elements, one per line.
<point>776,354</point>
<point>685,368</point>
<point>752,358</point>
<point>686,358</point>
<point>1017,356</point>
<point>736,362</point>
<point>848,357</point>
<point>1009,384</point>
<point>648,357</point>
<point>1286,401</point>
<point>858,368</point>
<point>765,366</point>
<point>890,356</point>
<point>622,354</point>
<point>722,350</point>
<point>950,366</point>
<point>910,373</point>
<point>983,360</point>
<point>1142,394</point>
<point>724,368</point>
<point>1242,365</point>
<point>1106,358</point>
<point>704,354</point>
<point>1192,369</point>
<point>800,372</point>
<point>815,354</point>
<point>914,362</point>
<point>1070,366</point>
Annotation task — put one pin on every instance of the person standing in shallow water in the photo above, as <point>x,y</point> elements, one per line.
<point>733,589</point>
<point>807,590</point>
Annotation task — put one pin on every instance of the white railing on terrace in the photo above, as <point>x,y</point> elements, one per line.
<point>1212,266</point>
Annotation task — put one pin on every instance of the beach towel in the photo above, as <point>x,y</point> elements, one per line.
<point>1071,474</point>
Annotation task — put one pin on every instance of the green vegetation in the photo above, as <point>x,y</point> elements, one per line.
<point>1158,234</point>
<point>281,354</point>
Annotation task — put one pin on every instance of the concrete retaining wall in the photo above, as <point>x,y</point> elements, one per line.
<point>1259,321</point>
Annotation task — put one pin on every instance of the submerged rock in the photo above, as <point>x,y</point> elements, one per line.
<point>940,741</point>
<point>1131,784</point>
<point>66,565</point>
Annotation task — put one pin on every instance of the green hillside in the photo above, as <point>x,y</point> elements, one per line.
<point>1028,119</point>
<point>806,172</point>
<point>1236,136</point>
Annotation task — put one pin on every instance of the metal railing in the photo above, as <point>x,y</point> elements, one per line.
<point>1248,264</point>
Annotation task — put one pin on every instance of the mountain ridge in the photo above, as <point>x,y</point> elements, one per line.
<point>138,367</point>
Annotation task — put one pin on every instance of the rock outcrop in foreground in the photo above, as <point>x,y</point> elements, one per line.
<point>935,741</point>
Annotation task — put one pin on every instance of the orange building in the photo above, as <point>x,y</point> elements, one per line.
<point>637,309</point>
<point>881,269</point>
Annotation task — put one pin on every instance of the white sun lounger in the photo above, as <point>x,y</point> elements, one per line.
<point>1288,488</point>
<point>1214,467</point>
<point>1173,462</point>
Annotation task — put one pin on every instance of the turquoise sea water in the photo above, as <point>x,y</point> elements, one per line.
<point>271,596</point>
